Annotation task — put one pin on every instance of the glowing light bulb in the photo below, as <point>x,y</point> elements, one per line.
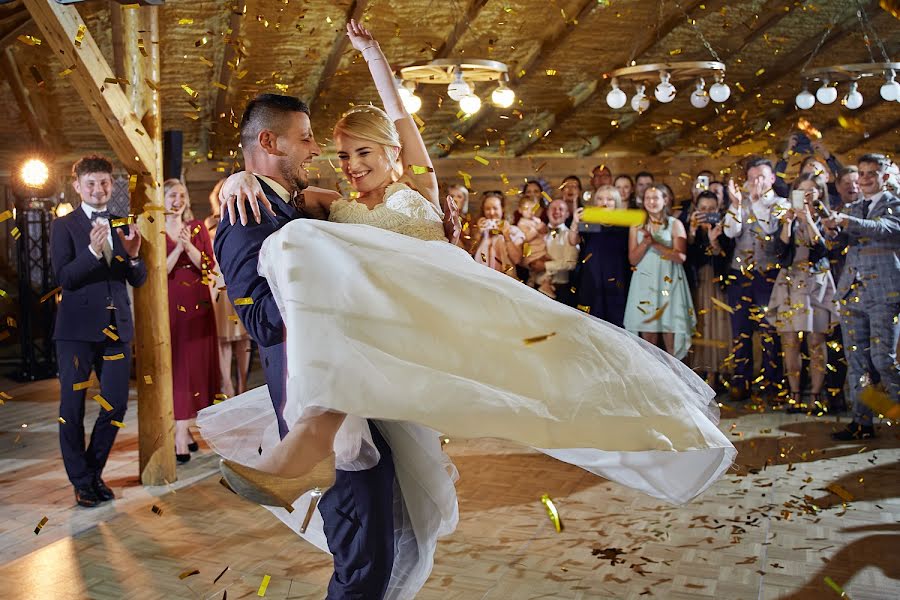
<point>719,91</point>
<point>890,91</point>
<point>616,98</point>
<point>470,104</point>
<point>665,91</point>
<point>853,99</point>
<point>411,103</point>
<point>35,173</point>
<point>805,100</point>
<point>503,96</point>
<point>459,88</point>
<point>826,94</point>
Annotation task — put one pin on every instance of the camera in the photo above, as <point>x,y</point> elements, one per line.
<point>712,218</point>
<point>803,146</point>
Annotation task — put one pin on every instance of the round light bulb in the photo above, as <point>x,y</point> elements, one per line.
<point>719,91</point>
<point>411,103</point>
<point>35,173</point>
<point>404,92</point>
<point>826,94</point>
<point>503,96</point>
<point>890,91</point>
<point>470,104</point>
<point>805,100</point>
<point>699,98</point>
<point>458,88</point>
<point>665,91</point>
<point>853,99</point>
<point>616,98</point>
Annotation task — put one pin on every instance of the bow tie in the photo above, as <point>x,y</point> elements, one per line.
<point>100,214</point>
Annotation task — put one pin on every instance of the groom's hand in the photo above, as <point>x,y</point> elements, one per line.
<point>452,222</point>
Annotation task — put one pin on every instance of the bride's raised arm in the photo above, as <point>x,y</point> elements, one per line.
<point>413,151</point>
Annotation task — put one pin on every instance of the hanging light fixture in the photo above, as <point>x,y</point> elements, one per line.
<point>890,91</point>
<point>470,104</point>
<point>700,97</point>
<point>719,91</point>
<point>827,93</point>
<point>459,76</point>
<point>616,98</point>
<point>502,96</point>
<point>458,88</point>
<point>640,102</point>
<point>411,102</point>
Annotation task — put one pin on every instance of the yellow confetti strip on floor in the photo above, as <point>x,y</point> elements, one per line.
<point>243,301</point>
<point>552,512</point>
<point>539,338</point>
<point>831,583</point>
<point>263,586</point>
<point>118,356</point>
<point>40,525</point>
<point>840,491</point>
<point>188,573</point>
<point>102,402</point>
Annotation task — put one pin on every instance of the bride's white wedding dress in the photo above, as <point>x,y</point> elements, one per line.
<point>388,321</point>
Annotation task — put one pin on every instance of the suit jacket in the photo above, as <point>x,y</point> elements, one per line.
<point>237,252</point>
<point>89,285</point>
<point>873,257</point>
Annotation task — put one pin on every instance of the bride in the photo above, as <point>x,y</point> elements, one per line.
<point>381,313</point>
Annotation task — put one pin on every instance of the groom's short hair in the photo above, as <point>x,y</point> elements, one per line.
<point>267,111</point>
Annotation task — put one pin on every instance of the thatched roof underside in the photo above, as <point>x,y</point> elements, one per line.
<point>559,53</point>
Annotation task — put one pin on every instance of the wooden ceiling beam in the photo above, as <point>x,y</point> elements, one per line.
<point>356,11</point>
<point>460,29</point>
<point>65,32</point>
<point>798,56</point>
<point>769,16</point>
<point>10,71</point>
<point>24,24</point>
<point>547,47</point>
<point>891,127</point>
<point>223,123</point>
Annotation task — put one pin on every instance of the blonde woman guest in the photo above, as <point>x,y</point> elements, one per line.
<point>603,272</point>
<point>709,254</point>
<point>233,339</point>
<point>802,301</point>
<point>659,300</point>
<point>195,380</point>
<point>497,244</point>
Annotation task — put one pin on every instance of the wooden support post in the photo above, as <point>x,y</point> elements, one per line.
<point>139,149</point>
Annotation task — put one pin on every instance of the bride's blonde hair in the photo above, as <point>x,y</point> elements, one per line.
<point>372,124</point>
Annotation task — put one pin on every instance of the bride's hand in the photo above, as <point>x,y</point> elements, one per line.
<point>239,189</point>
<point>359,36</point>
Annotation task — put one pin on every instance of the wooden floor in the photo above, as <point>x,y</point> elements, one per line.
<point>774,527</point>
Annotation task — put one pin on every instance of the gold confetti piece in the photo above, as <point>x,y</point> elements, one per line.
<point>66,72</point>
<point>841,491</point>
<point>830,583</point>
<point>243,301</point>
<point>482,160</point>
<point>50,294</point>
<point>103,403</point>
<point>110,334</point>
<point>619,217</point>
<point>148,380</point>
<point>15,233</point>
<point>157,510</point>
<point>658,314</point>
<point>719,304</point>
<point>82,385</point>
<point>118,424</point>
<point>188,573</point>
<point>221,86</point>
<point>547,197</point>
<point>263,586</point>
<point>29,40</point>
<point>79,35</point>
<point>185,21</point>
<point>190,92</point>
<point>760,72</point>
<point>61,420</point>
<point>6,214</point>
<point>123,221</point>
<point>540,338</point>
<point>420,170</point>
<point>675,52</point>
<point>5,396</point>
<point>552,512</point>
<point>40,525</point>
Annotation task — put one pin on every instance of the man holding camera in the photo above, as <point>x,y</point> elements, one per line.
<point>869,291</point>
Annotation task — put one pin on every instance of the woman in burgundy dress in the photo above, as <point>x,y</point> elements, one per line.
<point>191,318</point>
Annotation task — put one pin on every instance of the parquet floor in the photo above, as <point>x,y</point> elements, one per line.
<point>775,527</point>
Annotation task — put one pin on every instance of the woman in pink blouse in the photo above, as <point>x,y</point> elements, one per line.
<point>496,243</point>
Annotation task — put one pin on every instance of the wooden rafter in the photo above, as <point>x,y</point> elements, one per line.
<point>68,36</point>
<point>798,56</point>
<point>548,46</point>
<point>10,71</point>
<point>356,11</point>
<point>770,15</point>
<point>891,127</point>
<point>23,25</point>
<point>459,30</point>
<point>222,122</point>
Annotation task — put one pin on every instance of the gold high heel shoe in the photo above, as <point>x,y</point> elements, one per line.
<point>271,490</point>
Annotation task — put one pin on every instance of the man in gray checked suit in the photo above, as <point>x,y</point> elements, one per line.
<point>869,290</point>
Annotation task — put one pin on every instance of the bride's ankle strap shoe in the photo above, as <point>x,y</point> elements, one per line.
<point>272,490</point>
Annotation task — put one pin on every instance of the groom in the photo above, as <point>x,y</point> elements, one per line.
<point>278,144</point>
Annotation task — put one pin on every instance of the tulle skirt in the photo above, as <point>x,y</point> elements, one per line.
<point>422,339</point>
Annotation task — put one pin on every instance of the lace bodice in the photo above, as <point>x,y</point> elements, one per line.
<point>403,211</point>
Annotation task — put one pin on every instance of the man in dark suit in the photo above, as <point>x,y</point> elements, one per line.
<point>277,144</point>
<point>93,259</point>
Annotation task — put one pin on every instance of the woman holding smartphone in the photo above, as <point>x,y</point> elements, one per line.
<point>802,302</point>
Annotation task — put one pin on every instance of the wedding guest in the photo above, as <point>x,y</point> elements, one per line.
<point>847,186</point>
<point>460,195</point>
<point>683,210</point>
<point>802,302</point>
<point>603,272</point>
<point>625,186</point>
<point>868,291</point>
<point>192,322</point>
<point>535,191</point>
<point>709,252</point>
<point>752,220</point>
<point>642,181</point>
<point>534,249</point>
<point>571,191</point>
<point>498,244</point>
<point>233,340</point>
<point>600,176</point>
<point>718,188</point>
<point>93,261</point>
<point>561,242</point>
<point>810,164</point>
<point>659,301</point>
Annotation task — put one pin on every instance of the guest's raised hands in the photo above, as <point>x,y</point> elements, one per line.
<point>734,193</point>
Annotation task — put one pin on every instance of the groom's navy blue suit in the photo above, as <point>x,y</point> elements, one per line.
<point>358,510</point>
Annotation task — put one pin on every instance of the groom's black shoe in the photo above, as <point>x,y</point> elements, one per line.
<point>102,490</point>
<point>86,496</point>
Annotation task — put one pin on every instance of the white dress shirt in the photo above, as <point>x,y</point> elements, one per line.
<point>89,211</point>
